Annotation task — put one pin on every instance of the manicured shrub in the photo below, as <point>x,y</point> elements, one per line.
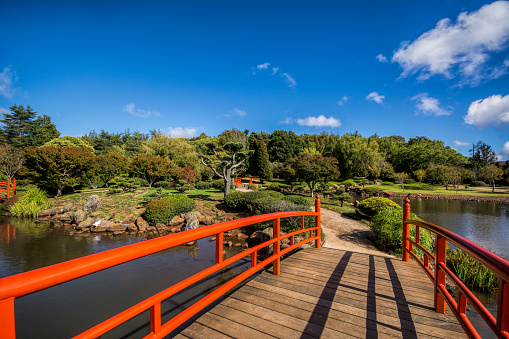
<point>297,199</point>
<point>203,185</point>
<point>388,228</point>
<point>162,184</point>
<point>348,183</point>
<point>123,184</point>
<point>235,200</point>
<point>253,187</point>
<point>424,187</point>
<point>372,206</point>
<point>141,182</point>
<point>30,204</point>
<point>181,203</point>
<point>271,205</point>
<point>274,194</point>
<point>218,184</point>
<point>372,190</point>
<point>274,187</point>
<point>159,211</point>
<point>478,184</point>
<point>409,181</point>
<point>388,183</point>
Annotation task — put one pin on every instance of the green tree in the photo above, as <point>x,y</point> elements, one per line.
<point>177,151</point>
<point>225,159</point>
<point>481,155</point>
<point>259,164</point>
<point>313,169</point>
<point>420,174</point>
<point>149,167</point>
<point>104,168</point>
<point>56,168</point>
<point>284,145</point>
<point>68,142</point>
<point>356,154</point>
<point>491,173</point>
<point>22,129</point>
<point>400,179</point>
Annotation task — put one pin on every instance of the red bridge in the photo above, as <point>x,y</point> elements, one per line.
<point>317,292</point>
<point>7,189</point>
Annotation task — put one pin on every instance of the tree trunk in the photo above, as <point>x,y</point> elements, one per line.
<point>493,189</point>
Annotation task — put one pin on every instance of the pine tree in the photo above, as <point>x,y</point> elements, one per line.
<point>262,158</point>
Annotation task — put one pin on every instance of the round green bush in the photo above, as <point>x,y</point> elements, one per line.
<point>478,184</point>
<point>409,181</point>
<point>181,203</point>
<point>387,183</point>
<point>235,200</point>
<point>141,182</point>
<point>297,199</point>
<point>388,228</point>
<point>348,183</point>
<point>274,187</point>
<point>218,184</point>
<point>372,206</point>
<point>159,211</point>
<point>162,184</point>
<point>274,194</point>
<point>253,187</point>
<point>203,185</point>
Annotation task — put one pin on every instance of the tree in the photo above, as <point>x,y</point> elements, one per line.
<point>56,168</point>
<point>454,176</point>
<point>467,176</point>
<point>104,168</point>
<point>11,160</point>
<point>21,129</point>
<point>313,169</point>
<point>356,154</point>
<point>400,179</point>
<point>224,160</point>
<point>259,164</point>
<point>420,174</point>
<point>178,151</point>
<point>68,142</point>
<point>284,145</point>
<point>481,155</point>
<point>149,167</point>
<point>491,173</point>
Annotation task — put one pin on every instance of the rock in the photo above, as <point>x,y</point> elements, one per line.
<point>43,213</point>
<point>151,229</point>
<point>228,243</point>
<point>79,216</point>
<point>141,224</point>
<point>207,220</point>
<point>191,243</point>
<point>132,227</point>
<point>92,204</point>
<point>69,207</point>
<point>100,225</point>
<point>85,224</point>
<point>242,236</point>
<point>237,244</point>
<point>177,220</point>
<point>258,237</point>
<point>118,233</point>
<point>388,193</point>
<point>97,215</point>
<point>161,227</point>
<point>66,217</point>
<point>192,221</point>
<point>57,210</point>
<point>117,227</point>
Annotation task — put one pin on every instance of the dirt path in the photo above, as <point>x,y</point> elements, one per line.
<point>342,232</point>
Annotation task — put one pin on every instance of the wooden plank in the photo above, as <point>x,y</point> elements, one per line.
<point>197,330</point>
<point>228,327</point>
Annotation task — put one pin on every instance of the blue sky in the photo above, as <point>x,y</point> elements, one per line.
<point>412,68</point>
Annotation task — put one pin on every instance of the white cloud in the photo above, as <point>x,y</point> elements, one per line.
<point>287,121</point>
<point>505,150</point>
<point>6,89</point>
<point>182,132</point>
<point>263,66</point>
<point>236,112</point>
<point>381,58</point>
<point>429,106</point>
<point>320,121</point>
<point>458,143</point>
<point>343,100</point>
<point>130,108</point>
<point>289,80</point>
<point>493,110</point>
<point>374,96</point>
<point>274,70</point>
<point>4,110</point>
<point>462,46</point>
<point>500,157</point>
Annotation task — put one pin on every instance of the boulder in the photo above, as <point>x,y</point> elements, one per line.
<point>43,213</point>
<point>192,221</point>
<point>57,210</point>
<point>79,216</point>
<point>85,224</point>
<point>207,220</point>
<point>161,227</point>
<point>141,224</point>
<point>101,225</point>
<point>117,227</point>
<point>69,207</point>
<point>66,217</point>
<point>132,227</point>
<point>177,220</point>
<point>388,193</point>
<point>92,204</point>
<point>258,237</point>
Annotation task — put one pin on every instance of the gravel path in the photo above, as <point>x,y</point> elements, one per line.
<point>342,232</point>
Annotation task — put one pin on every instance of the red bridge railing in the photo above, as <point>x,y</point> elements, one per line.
<point>29,282</point>
<point>500,324</point>
<point>7,189</point>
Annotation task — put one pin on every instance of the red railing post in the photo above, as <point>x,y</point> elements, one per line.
<point>318,222</point>
<point>7,323</point>
<point>503,306</point>
<point>8,188</point>
<point>219,248</point>
<point>440,258</point>
<point>250,181</point>
<point>276,246</point>
<point>406,231</point>
<point>14,186</point>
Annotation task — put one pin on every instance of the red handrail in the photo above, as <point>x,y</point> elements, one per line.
<point>500,325</point>
<point>7,188</point>
<point>32,281</point>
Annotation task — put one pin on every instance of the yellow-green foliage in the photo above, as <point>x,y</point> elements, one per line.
<point>31,203</point>
<point>471,272</point>
<point>372,206</point>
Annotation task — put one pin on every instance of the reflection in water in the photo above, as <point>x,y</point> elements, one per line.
<point>70,308</point>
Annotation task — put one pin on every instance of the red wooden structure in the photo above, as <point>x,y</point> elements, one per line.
<point>7,189</point>
<point>29,282</point>
<point>500,324</point>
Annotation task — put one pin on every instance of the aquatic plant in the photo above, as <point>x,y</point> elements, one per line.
<point>31,203</point>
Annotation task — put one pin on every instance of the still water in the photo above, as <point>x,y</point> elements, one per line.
<point>68,309</point>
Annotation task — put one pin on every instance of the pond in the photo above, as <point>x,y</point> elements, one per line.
<point>70,308</point>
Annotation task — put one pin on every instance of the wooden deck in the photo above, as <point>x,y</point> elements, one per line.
<point>330,293</point>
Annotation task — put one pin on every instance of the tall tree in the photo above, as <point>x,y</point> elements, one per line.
<point>313,169</point>
<point>491,173</point>
<point>284,145</point>
<point>259,164</point>
<point>481,155</point>
<point>149,167</point>
<point>11,160</point>
<point>356,154</point>
<point>21,128</point>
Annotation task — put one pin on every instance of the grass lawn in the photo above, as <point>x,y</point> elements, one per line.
<point>502,191</point>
